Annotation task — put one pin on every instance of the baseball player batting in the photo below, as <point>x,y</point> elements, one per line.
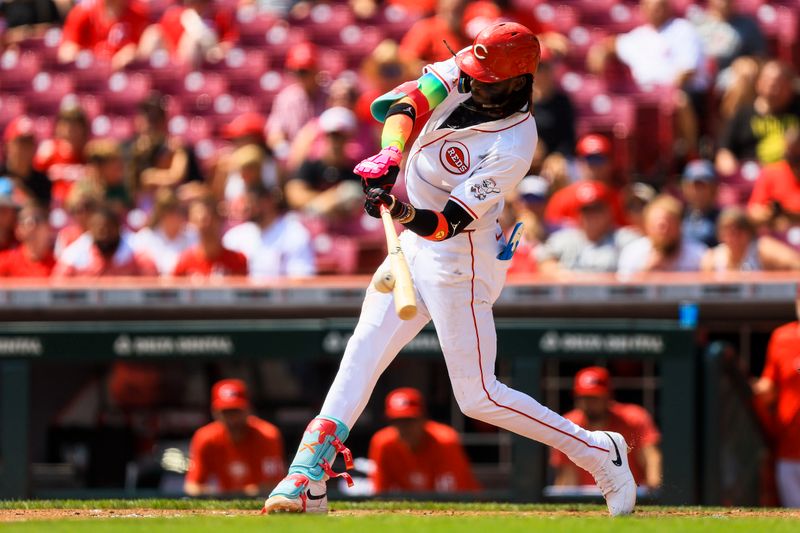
<point>475,147</point>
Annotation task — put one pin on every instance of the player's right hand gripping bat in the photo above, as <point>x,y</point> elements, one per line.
<point>405,303</point>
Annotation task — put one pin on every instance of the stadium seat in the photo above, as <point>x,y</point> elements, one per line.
<point>165,75</point>
<point>358,42</point>
<point>239,68</point>
<point>11,106</point>
<point>324,22</point>
<point>279,38</point>
<point>191,129</point>
<point>779,25</point>
<point>89,73</point>
<point>124,92</point>
<point>394,21</point>
<point>269,85</point>
<point>44,95</point>
<point>17,70</point>
<point>117,127</point>
<point>253,26</point>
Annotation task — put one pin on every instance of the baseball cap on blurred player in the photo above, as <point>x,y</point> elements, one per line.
<point>302,56</point>
<point>594,146</point>
<point>229,394</point>
<point>593,193</point>
<point>251,123</point>
<point>592,381</point>
<point>700,170</point>
<point>21,126</point>
<point>337,119</point>
<point>405,402</point>
<point>533,188</point>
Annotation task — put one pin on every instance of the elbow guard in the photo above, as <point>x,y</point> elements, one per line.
<point>425,93</point>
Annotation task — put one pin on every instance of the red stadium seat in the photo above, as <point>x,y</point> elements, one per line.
<point>324,22</point>
<point>253,26</point>
<point>17,70</point>
<point>45,93</point>
<point>358,42</point>
<point>124,92</point>
<point>192,129</point>
<point>89,73</point>
<point>165,75</point>
<point>239,68</point>
<point>279,38</point>
<point>116,127</point>
<point>11,106</point>
<point>270,84</point>
<point>779,25</point>
<point>394,21</point>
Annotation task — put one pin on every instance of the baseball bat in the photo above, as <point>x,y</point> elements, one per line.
<point>405,303</point>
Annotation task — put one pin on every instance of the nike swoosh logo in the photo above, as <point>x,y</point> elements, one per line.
<point>618,460</point>
<point>312,497</point>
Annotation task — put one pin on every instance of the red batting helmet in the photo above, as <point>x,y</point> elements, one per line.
<point>501,51</point>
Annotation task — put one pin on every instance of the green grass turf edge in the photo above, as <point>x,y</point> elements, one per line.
<point>372,505</point>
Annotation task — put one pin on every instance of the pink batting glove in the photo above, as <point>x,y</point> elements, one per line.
<point>379,164</point>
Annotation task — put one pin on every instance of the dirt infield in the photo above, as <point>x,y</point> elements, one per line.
<point>17,515</point>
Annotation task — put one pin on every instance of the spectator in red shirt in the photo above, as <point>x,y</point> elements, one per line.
<point>778,391</point>
<point>417,454</point>
<point>102,252</point>
<point>297,103</point>
<point>776,195</point>
<point>62,158</point>
<point>19,149</point>
<point>594,164</point>
<point>238,452</point>
<point>209,257</point>
<point>195,31</point>
<point>33,258</point>
<point>594,410</point>
<point>423,43</point>
<point>8,214</point>
<point>109,28</point>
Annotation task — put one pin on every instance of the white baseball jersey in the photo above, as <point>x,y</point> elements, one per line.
<point>474,166</point>
<point>457,280</point>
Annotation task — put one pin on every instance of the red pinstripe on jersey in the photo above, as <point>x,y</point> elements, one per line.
<point>480,359</point>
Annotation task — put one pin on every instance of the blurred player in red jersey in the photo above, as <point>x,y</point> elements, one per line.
<point>778,390</point>
<point>238,452</point>
<point>33,258</point>
<point>209,257</point>
<point>417,454</point>
<point>595,408</point>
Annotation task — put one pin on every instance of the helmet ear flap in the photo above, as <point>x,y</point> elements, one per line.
<point>464,83</point>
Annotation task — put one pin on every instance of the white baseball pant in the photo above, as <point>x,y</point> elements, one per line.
<point>456,282</point>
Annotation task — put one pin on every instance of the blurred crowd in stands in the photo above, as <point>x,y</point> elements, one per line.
<point>207,138</point>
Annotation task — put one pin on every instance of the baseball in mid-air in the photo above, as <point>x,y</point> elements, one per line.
<point>383,281</point>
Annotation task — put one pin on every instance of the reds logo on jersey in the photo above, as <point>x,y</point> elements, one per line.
<point>454,157</point>
<point>484,189</point>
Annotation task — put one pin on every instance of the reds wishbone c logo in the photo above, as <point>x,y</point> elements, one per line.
<point>454,157</point>
<point>480,51</point>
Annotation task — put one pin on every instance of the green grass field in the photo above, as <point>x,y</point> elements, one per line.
<point>152,516</point>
